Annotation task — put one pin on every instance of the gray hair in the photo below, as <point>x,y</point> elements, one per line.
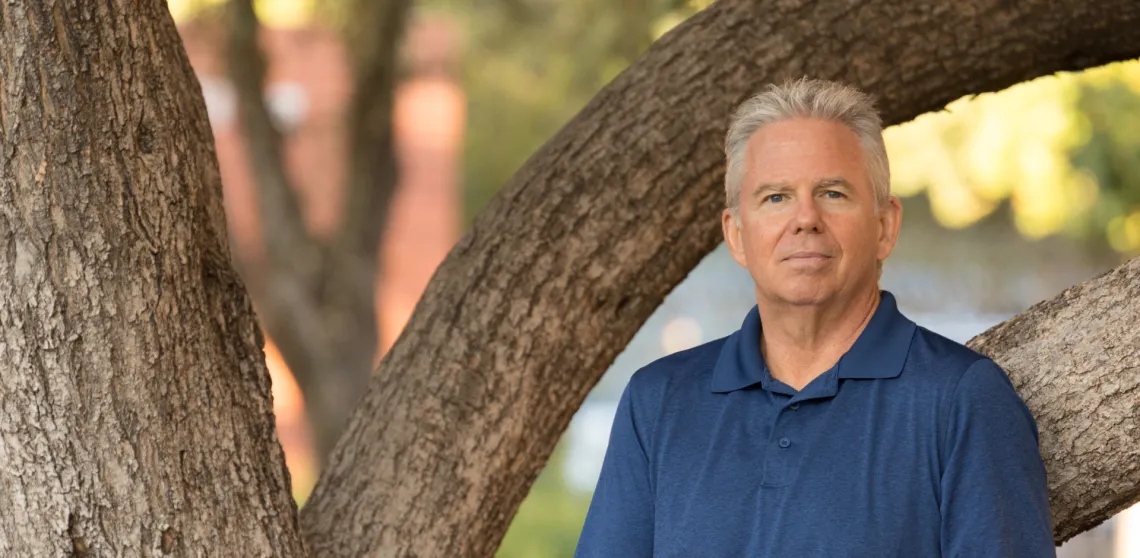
<point>808,98</point>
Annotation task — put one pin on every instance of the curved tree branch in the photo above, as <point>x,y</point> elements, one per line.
<point>568,261</point>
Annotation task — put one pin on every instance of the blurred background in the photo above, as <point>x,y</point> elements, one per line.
<point>1009,197</point>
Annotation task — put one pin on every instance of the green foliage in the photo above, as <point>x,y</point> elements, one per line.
<point>531,65</point>
<point>1064,150</point>
<point>1109,107</point>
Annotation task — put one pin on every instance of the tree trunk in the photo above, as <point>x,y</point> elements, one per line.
<point>583,244</point>
<point>135,415</point>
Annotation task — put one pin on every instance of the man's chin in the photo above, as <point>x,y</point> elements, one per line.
<point>806,293</point>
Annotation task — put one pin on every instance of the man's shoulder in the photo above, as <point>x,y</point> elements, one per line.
<point>689,367</point>
<point>934,345</point>
<point>672,384</point>
<point>957,382</point>
<point>939,359</point>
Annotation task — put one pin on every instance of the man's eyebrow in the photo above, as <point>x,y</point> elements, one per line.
<point>765,187</point>
<point>832,182</point>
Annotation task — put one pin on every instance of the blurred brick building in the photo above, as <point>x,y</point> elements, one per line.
<point>307,91</point>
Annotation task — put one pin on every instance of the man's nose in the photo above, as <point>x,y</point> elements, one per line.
<point>807,217</point>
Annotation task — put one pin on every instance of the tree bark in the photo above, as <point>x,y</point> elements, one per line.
<point>568,261</point>
<point>135,415</point>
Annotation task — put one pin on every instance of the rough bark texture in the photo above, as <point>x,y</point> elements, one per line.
<point>1076,362</point>
<point>135,415</point>
<point>315,296</point>
<point>581,246</point>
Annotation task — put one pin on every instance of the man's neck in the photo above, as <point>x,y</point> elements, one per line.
<point>801,342</point>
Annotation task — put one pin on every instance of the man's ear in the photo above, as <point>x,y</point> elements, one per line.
<point>890,219</point>
<point>732,238</point>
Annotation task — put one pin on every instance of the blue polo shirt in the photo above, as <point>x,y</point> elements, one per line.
<point>912,445</point>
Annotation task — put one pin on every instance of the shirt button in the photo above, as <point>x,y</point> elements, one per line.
<point>794,406</point>
<point>784,442</point>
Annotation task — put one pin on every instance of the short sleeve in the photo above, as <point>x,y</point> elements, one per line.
<point>995,500</point>
<point>620,519</point>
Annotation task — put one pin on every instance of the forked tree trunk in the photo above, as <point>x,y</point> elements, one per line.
<point>135,415</point>
<point>581,246</point>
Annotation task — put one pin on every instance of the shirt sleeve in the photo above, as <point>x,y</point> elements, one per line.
<point>995,501</point>
<point>619,522</point>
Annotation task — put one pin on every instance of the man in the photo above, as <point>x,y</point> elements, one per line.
<point>829,424</point>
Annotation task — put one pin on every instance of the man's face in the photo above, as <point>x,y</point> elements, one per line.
<point>808,229</point>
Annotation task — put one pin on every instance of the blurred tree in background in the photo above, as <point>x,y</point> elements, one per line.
<point>314,293</point>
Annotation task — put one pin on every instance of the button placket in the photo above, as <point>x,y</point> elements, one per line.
<point>782,452</point>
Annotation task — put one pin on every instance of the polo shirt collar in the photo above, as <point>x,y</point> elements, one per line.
<point>878,353</point>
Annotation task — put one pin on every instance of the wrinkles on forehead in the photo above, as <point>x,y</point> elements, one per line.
<point>831,182</point>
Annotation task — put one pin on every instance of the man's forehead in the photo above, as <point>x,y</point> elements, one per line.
<point>809,153</point>
<point>803,139</point>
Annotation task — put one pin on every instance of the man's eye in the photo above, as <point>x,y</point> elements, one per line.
<point>832,194</point>
<point>775,198</point>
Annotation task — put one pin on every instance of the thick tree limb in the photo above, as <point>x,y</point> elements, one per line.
<point>585,241</point>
